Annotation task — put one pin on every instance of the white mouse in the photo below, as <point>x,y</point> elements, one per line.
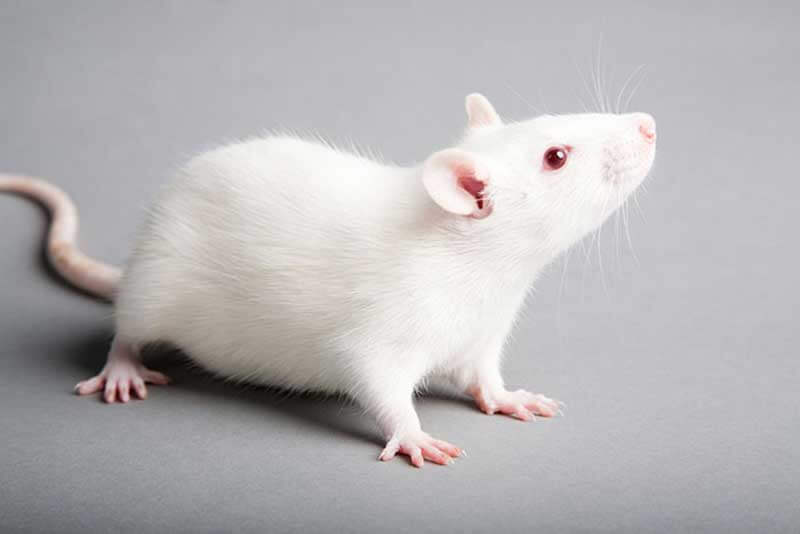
<point>289,263</point>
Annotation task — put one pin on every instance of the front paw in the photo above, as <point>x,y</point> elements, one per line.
<point>520,404</point>
<point>419,446</point>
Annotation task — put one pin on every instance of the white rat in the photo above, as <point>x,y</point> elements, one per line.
<point>288,263</point>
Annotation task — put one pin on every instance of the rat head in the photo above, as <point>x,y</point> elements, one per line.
<point>545,182</point>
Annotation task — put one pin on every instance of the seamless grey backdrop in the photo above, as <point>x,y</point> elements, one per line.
<point>677,355</point>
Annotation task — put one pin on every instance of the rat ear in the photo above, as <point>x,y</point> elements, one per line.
<point>480,112</point>
<point>455,180</point>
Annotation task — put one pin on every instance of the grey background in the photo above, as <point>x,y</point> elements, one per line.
<point>677,355</point>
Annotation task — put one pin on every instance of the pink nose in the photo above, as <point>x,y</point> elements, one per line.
<point>647,127</point>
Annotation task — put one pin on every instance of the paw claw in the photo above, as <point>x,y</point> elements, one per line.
<point>110,394</point>
<point>139,388</point>
<point>124,392</point>
<point>448,448</point>
<point>92,385</point>
<point>416,458</point>
<point>523,414</point>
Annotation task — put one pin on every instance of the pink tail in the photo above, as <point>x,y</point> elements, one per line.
<point>82,271</point>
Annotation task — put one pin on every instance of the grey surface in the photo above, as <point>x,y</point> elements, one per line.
<point>677,356</point>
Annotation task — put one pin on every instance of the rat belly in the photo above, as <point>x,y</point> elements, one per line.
<point>285,330</point>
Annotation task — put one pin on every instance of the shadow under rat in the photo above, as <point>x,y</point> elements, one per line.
<point>334,413</point>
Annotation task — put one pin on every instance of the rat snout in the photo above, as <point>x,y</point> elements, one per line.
<point>630,154</point>
<point>647,126</point>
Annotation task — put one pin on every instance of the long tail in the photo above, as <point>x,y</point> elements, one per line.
<point>82,271</point>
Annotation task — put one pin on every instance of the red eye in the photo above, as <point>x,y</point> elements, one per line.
<point>555,158</point>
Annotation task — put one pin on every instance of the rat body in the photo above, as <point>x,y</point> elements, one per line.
<point>288,263</point>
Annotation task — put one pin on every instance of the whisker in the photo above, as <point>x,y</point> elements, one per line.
<point>601,76</point>
<point>595,75</point>
<point>545,107</point>
<point>625,86</point>
<point>637,205</point>
<point>628,231</point>
<point>599,251</point>
<point>524,101</point>
<point>581,102</point>
<point>585,84</point>
<point>633,91</point>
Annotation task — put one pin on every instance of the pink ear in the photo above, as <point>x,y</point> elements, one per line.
<point>480,112</point>
<point>455,180</point>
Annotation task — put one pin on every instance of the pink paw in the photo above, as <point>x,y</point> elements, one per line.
<point>419,446</point>
<point>520,404</point>
<point>119,378</point>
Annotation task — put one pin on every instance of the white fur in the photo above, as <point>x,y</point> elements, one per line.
<point>289,263</point>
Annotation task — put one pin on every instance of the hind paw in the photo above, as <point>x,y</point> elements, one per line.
<point>120,379</point>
